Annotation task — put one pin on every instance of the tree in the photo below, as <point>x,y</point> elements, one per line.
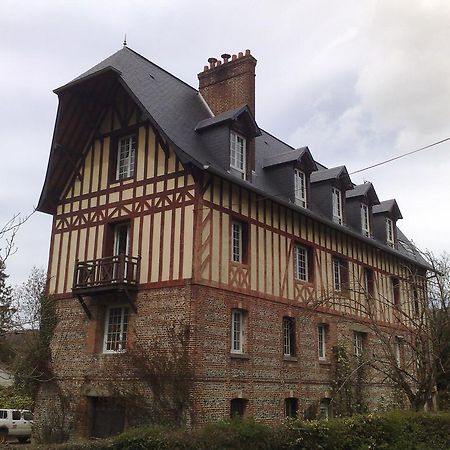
<point>35,316</point>
<point>6,299</point>
<point>411,358</point>
<point>439,293</point>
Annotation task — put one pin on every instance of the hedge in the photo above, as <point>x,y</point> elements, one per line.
<point>387,431</point>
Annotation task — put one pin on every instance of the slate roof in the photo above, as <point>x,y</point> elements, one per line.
<point>359,190</point>
<point>387,206</point>
<point>363,190</point>
<point>293,155</point>
<point>328,174</point>
<point>227,116</point>
<point>178,110</point>
<point>174,106</point>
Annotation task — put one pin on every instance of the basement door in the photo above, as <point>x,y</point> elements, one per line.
<point>108,417</point>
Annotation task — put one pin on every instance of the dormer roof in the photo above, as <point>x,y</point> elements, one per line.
<point>365,190</point>
<point>388,207</point>
<point>180,115</point>
<point>242,113</point>
<point>335,173</point>
<point>301,155</point>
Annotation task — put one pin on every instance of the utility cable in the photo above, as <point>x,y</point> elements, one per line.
<point>401,156</point>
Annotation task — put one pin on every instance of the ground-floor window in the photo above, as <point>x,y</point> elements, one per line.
<point>325,409</point>
<point>238,407</point>
<point>291,407</point>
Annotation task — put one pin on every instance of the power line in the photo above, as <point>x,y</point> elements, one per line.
<point>401,156</point>
<point>284,194</point>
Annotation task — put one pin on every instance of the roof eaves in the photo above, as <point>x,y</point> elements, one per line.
<point>316,216</point>
<point>87,77</point>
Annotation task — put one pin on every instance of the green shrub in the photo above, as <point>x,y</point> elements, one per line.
<point>387,431</point>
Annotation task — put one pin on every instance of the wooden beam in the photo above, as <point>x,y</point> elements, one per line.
<point>130,300</point>
<point>84,306</point>
<point>74,163</point>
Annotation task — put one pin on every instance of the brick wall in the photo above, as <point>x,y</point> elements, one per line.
<point>262,375</point>
<point>229,84</point>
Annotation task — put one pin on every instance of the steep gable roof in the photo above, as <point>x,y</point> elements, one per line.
<point>388,206</point>
<point>363,190</point>
<point>175,109</point>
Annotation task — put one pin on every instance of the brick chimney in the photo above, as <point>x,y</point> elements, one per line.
<point>230,83</point>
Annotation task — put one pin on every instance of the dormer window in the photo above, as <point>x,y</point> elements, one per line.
<point>238,153</point>
<point>300,188</point>
<point>390,233</point>
<point>365,222</point>
<point>337,206</point>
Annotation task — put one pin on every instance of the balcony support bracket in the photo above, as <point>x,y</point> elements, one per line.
<point>130,300</point>
<point>84,306</point>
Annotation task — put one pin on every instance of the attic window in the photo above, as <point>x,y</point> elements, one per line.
<point>300,188</point>
<point>337,206</point>
<point>365,223</point>
<point>126,149</point>
<point>390,233</point>
<point>238,154</point>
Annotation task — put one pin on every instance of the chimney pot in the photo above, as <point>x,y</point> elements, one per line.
<point>229,82</point>
<point>247,52</point>
<point>205,68</point>
<point>212,62</point>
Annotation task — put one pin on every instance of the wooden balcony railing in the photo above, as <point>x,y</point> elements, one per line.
<point>110,272</point>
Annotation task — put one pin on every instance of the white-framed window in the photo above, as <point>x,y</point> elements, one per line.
<point>322,336</point>
<point>358,343</point>
<point>301,263</point>
<point>395,291</point>
<point>116,329</point>
<point>325,409</point>
<point>237,331</point>
<point>126,150</point>
<point>390,232</point>
<point>300,188</point>
<point>237,241</point>
<point>238,153</point>
<point>288,336</point>
<point>415,301</point>
<point>121,239</point>
<point>368,281</point>
<point>397,351</point>
<point>337,205</point>
<point>365,221</point>
<point>337,274</point>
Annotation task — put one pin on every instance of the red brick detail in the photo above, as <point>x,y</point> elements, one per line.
<point>229,85</point>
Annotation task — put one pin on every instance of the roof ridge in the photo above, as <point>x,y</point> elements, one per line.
<point>160,68</point>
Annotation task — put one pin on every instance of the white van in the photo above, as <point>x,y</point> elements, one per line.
<point>15,423</point>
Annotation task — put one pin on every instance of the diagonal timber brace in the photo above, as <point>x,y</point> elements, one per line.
<point>84,306</point>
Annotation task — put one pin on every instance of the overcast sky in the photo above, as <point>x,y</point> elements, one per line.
<point>356,81</point>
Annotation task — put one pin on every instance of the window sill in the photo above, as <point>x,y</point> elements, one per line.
<point>240,264</point>
<point>290,358</point>
<point>324,362</point>
<point>114,182</point>
<point>239,356</point>
<point>304,283</point>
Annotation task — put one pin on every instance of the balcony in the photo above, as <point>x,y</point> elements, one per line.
<point>112,273</point>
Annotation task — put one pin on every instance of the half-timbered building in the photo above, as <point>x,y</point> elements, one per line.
<point>172,206</point>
